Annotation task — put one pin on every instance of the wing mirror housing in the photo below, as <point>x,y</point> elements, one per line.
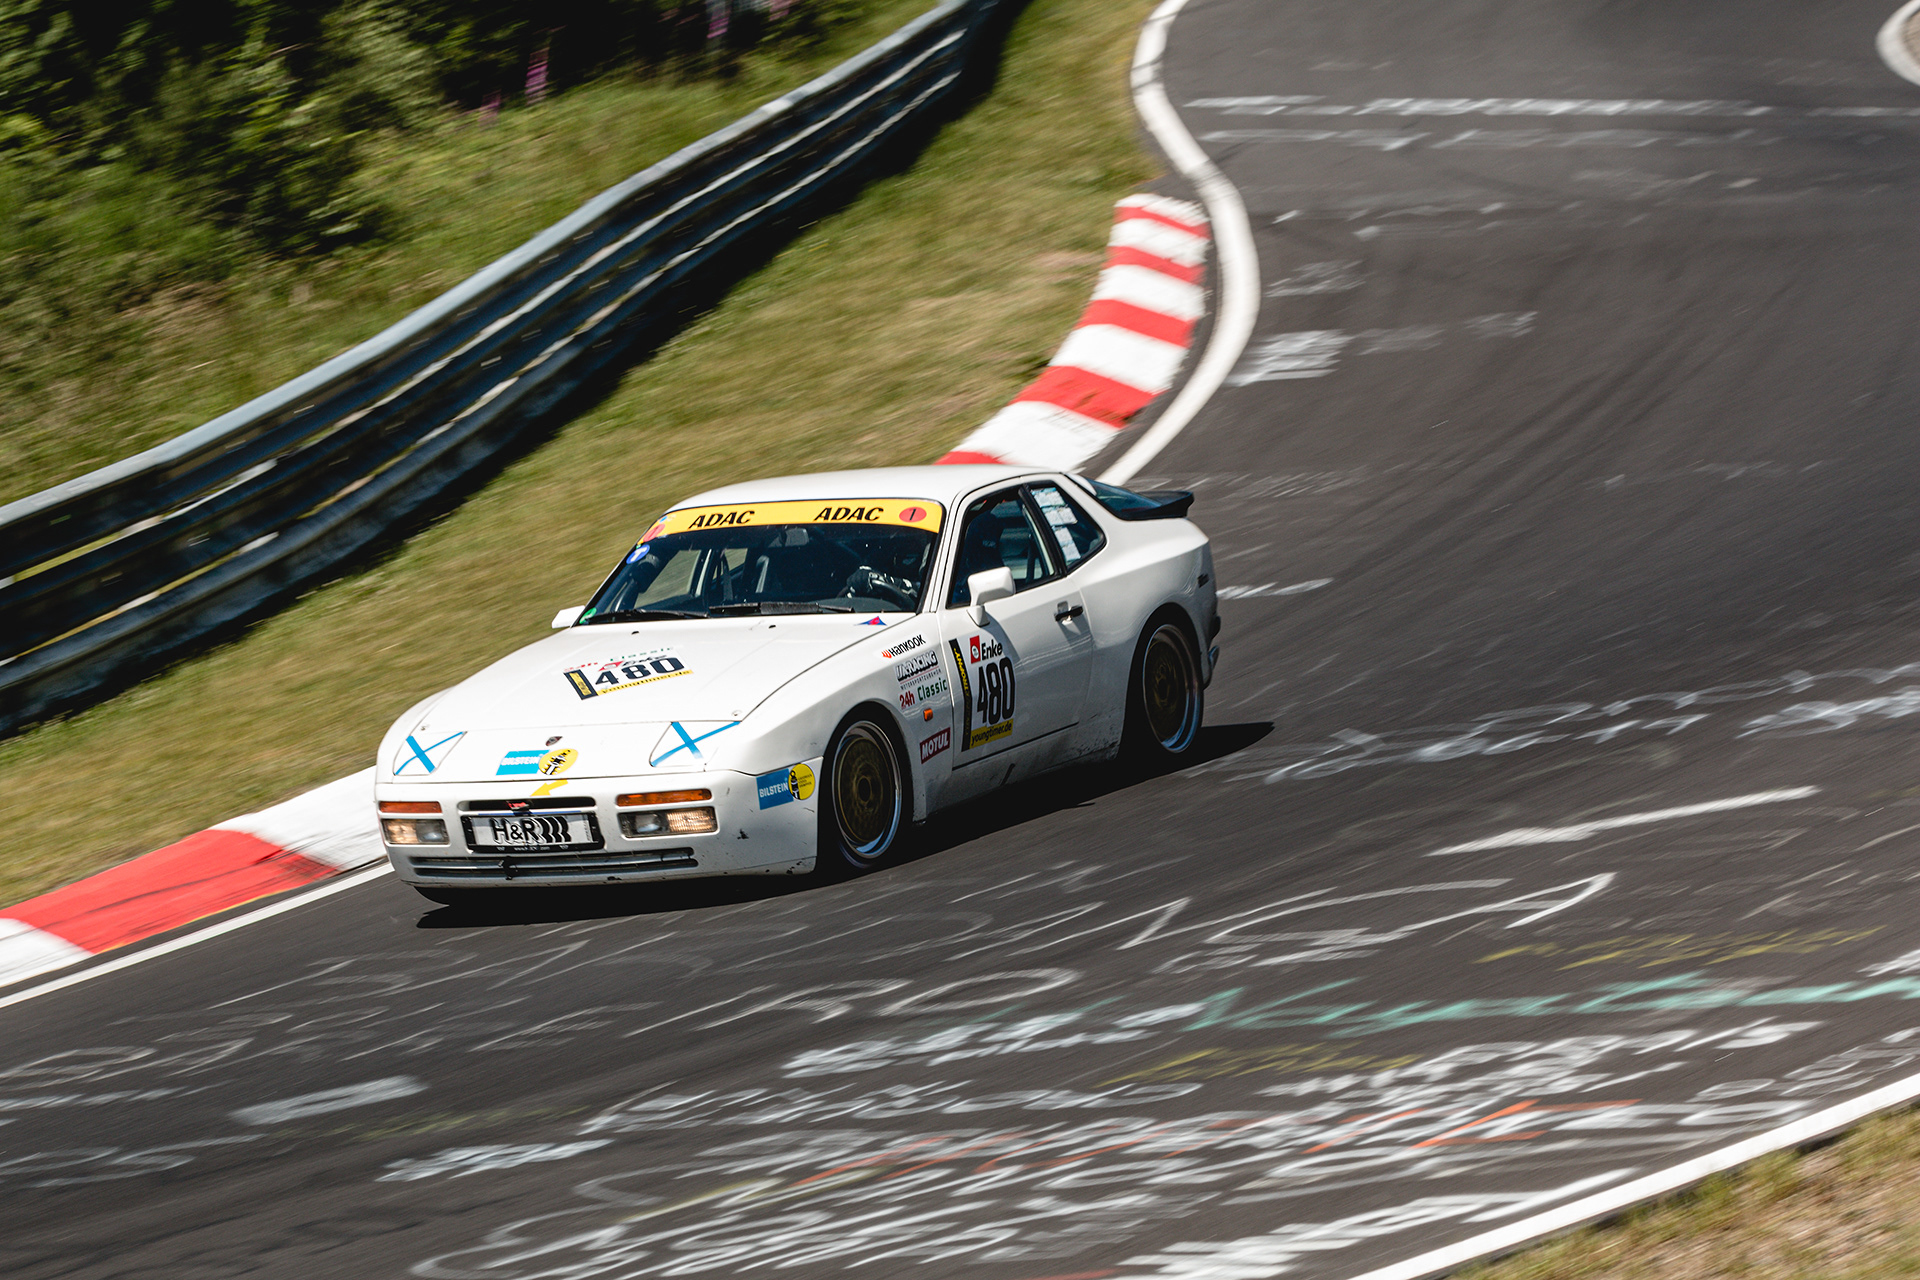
<point>568,616</point>
<point>985,587</point>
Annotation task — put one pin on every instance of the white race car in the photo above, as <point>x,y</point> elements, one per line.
<point>784,675</point>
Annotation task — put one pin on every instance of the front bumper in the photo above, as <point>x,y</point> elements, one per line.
<point>749,840</point>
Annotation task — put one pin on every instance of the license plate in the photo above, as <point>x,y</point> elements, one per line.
<point>534,831</point>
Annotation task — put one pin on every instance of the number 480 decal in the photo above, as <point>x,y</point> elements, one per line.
<point>994,702</point>
<point>986,691</point>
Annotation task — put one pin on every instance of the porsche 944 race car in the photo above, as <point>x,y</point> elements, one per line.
<point>785,675</point>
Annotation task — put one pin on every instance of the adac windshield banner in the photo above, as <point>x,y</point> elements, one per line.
<point>911,513</point>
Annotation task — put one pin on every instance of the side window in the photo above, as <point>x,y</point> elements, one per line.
<point>998,530</point>
<point>1073,531</point>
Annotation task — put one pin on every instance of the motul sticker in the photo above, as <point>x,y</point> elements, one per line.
<point>938,743</point>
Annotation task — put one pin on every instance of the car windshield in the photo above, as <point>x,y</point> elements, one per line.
<point>866,556</point>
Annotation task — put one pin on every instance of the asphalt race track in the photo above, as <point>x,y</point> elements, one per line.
<point>1557,819</point>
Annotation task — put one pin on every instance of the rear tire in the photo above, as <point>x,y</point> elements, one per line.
<point>863,806</point>
<point>1165,699</point>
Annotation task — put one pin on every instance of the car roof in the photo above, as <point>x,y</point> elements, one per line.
<point>942,484</point>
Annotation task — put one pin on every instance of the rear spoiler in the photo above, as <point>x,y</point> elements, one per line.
<point>1161,504</point>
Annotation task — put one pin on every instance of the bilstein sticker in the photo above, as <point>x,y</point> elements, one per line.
<point>910,513</point>
<point>782,785</point>
<point>549,764</point>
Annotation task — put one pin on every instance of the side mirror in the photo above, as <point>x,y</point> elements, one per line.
<point>986,586</point>
<point>568,616</point>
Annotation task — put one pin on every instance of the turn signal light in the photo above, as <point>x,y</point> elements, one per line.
<point>690,822</point>
<point>654,797</point>
<point>409,806</point>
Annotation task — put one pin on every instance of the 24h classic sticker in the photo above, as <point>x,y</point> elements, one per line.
<point>919,676</point>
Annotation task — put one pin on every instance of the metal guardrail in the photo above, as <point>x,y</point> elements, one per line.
<point>116,571</point>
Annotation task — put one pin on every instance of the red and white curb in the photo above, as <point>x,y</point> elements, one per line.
<point>1126,349</point>
<point>326,831</point>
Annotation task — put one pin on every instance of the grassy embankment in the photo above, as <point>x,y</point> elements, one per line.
<point>1843,1212</point>
<point>878,337</point>
<point>84,384</point>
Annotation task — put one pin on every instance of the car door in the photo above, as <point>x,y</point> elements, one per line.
<point>1019,678</point>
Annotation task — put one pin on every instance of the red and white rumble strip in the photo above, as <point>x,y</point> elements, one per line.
<point>1126,349</point>
<point>310,837</point>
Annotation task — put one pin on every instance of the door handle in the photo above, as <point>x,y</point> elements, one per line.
<point>1064,612</point>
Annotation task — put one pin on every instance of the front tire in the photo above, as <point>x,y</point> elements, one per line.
<point>1165,699</point>
<point>864,806</point>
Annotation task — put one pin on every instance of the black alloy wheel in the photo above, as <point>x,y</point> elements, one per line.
<point>865,805</point>
<point>1165,700</point>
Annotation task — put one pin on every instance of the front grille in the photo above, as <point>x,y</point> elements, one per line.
<point>579,864</point>
<point>532,802</point>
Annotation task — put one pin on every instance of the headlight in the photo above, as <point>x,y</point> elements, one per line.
<point>690,822</point>
<point>681,822</point>
<point>414,830</point>
<point>643,824</point>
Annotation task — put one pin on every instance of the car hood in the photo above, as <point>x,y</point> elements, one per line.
<point>601,685</point>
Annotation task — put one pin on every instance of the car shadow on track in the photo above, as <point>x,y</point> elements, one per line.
<point>1070,788</point>
<point>1007,807</point>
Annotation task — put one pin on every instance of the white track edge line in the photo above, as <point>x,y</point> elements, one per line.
<point>1501,1239</point>
<point>326,888</point>
<point>1893,46</point>
<point>1232,236</point>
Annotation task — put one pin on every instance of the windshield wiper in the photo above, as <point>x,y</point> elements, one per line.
<point>768,606</point>
<point>638,615</point>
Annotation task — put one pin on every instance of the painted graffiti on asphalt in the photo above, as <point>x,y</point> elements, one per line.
<point>1647,715</point>
<point>998,1183</point>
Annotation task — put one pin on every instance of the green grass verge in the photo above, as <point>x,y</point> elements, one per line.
<point>1844,1212</point>
<point>879,337</point>
<point>105,385</point>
